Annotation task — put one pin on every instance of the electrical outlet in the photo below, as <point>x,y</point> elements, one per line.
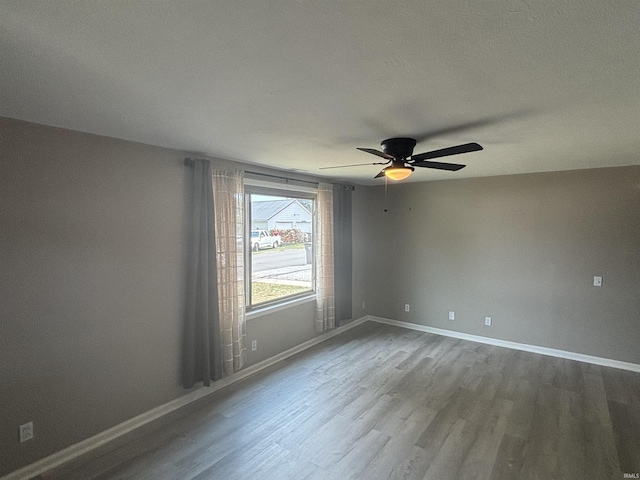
<point>26,432</point>
<point>487,321</point>
<point>406,307</point>
<point>254,345</point>
<point>452,315</point>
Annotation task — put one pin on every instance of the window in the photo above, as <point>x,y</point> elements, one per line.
<point>279,250</point>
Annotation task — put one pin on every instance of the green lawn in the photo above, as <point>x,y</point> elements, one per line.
<point>293,246</point>
<point>264,292</point>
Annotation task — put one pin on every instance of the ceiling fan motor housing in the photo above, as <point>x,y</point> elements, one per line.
<point>400,148</point>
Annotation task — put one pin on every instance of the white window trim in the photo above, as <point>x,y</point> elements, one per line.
<point>262,310</point>
<point>254,311</point>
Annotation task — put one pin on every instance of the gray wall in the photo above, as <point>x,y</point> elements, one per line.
<point>522,249</point>
<point>280,331</point>
<point>92,273</point>
<point>91,286</point>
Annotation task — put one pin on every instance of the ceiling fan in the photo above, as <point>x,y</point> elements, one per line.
<point>398,152</point>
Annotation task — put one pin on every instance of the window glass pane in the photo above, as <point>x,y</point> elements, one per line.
<point>281,248</point>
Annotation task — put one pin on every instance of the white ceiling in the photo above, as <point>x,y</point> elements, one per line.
<point>299,84</point>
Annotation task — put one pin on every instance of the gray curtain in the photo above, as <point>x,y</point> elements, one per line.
<point>342,246</point>
<point>202,360</point>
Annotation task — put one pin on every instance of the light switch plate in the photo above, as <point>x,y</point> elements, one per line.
<point>597,281</point>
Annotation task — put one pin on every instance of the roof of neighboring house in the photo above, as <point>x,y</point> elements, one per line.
<point>268,208</point>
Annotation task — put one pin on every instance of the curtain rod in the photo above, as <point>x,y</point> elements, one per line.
<point>189,161</point>
<point>280,177</point>
<point>347,185</point>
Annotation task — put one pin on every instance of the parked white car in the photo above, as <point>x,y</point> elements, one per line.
<point>262,239</point>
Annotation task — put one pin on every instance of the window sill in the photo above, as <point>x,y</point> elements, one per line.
<point>269,309</point>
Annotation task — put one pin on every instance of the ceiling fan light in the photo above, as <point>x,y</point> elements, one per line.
<point>398,173</point>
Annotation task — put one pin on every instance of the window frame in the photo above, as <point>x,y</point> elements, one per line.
<point>259,187</point>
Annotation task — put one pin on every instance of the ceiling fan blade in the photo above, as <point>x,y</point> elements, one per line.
<point>452,167</point>
<point>445,152</point>
<point>354,165</point>
<point>381,174</point>
<point>373,151</point>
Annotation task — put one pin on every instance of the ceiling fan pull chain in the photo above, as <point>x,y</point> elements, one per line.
<point>386,182</point>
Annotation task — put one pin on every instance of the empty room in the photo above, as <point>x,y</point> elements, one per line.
<point>319,240</point>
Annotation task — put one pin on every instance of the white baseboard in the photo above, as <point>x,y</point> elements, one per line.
<point>54,460</point>
<point>580,357</point>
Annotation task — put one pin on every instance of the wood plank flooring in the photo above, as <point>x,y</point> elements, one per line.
<point>382,402</point>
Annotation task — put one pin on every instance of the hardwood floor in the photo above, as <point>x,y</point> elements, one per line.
<point>382,402</point>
